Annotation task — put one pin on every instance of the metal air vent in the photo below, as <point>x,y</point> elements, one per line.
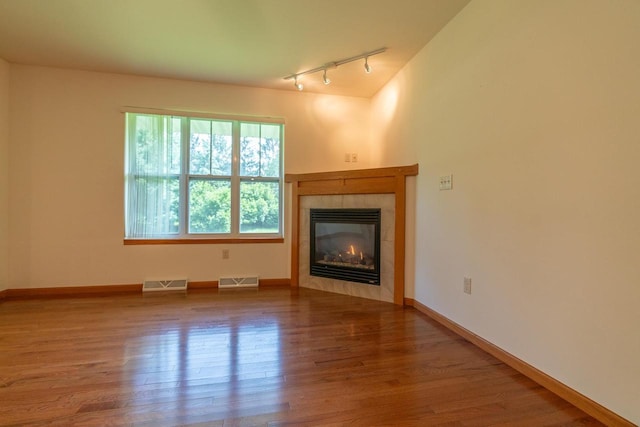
<point>238,282</point>
<point>164,285</point>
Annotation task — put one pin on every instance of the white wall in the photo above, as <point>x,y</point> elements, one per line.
<point>4,174</point>
<point>66,158</point>
<point>534,107</point>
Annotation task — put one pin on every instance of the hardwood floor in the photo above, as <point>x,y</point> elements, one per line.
<point>274,357</point>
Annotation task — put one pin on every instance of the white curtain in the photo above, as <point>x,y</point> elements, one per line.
<point>152,168</point>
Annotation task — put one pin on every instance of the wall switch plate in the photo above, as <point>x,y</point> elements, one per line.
<point>347,157</point>
<point>446,182</point>
<point>354,157</point>
<point>467,285</point>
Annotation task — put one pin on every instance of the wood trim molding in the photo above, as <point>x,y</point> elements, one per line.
<point>399,239</point>
<point>352,174</point>
<point>213,284</point>
<point>202,241</point>
<point>391,180</point>
<point>102,290</point>
<point>295,236</point>
<point>284,282</point>
<point>70,291</point>
<point>572,396</point>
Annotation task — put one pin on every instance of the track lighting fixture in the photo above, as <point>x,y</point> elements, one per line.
<point>367,67</point>
<point>334,64</point>
<point>325,79</point>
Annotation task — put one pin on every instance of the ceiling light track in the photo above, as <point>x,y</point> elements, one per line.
<point>334,64</point>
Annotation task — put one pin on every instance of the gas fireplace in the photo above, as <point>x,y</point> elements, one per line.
<point>345,244</point>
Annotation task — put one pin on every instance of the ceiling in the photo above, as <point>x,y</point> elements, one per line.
<point>240,42</point>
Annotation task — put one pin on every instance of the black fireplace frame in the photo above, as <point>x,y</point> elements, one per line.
<point>345,216</point>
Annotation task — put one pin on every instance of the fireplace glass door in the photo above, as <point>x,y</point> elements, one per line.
<point>345,244</point>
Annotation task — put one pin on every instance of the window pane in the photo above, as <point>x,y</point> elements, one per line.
<point>259,150</point>
<point>270,151</point>
<point>209,206</point>
<point>226,161</point>
<point>210,147</point>
<point>157,145</point>
<point>200,148</point>
<point>249,149</point>
<point>259,207</point>
<point>153,207</point>
<point>176,141</point>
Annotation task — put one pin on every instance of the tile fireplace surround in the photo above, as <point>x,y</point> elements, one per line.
<point>382,188</point>
<point>386,202</point>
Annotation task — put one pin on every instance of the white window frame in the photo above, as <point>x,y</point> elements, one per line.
<point>183,235</point>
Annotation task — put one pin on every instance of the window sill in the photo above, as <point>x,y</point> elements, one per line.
<point>202,241</point>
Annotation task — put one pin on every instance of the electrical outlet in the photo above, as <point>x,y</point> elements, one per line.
<point>446,182</point>
<point>467,285</point>
<point>354,157</point>
<point>225,254</point>
<point>347,157</point>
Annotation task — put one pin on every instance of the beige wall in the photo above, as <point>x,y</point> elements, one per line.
<point>67,173</point>
<point>4,174</point>
<point>534,107</point>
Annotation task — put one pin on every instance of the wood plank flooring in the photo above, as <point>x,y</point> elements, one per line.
<point>272,357</point>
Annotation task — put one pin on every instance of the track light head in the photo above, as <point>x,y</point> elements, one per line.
<point>367,67</point>
<point>325,79</point>
<point>334,64</point>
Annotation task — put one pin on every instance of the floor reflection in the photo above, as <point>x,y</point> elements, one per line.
<point>216,367</point>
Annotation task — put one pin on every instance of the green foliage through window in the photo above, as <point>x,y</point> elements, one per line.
<point>259,207</point>
<point>192,176</point>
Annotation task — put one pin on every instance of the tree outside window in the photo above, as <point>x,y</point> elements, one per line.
<point>193,177</point>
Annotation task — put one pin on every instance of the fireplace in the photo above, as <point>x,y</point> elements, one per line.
<point>345,244</point>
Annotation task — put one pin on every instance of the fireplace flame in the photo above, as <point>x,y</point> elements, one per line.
<point>361,256</point>
<point>353,252</point>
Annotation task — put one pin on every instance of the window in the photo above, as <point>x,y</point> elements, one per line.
<point>196,177</point>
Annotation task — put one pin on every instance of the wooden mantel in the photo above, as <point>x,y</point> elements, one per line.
<point>390,180</point>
